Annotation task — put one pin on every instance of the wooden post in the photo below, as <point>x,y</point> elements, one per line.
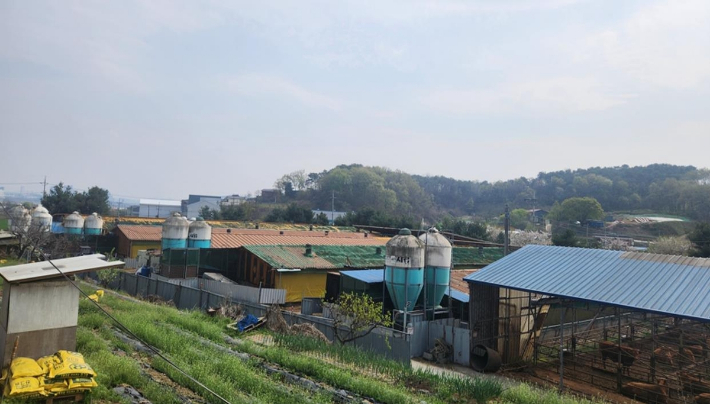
<point>619,368</point>
<point>654,328</point>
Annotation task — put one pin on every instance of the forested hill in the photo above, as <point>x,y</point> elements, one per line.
<point>662,188</point>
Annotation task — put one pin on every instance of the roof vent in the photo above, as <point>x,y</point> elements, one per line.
<point>378,251</point>
<point>229,231</point>
<point>257,226</point>
<point>309,251</point>
<point>326,232</point>
<point>310,227</point>
<point>281,232</point>
<point>365,234</point>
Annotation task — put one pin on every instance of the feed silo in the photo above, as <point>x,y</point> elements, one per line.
<point>74,223</point>
<point>200,234</point>
<point>20,219</point>
<point>41,218</point>
<point>404,269</point>
<point>175,230</point>
<point>437,268</point>
<point>93,225</point>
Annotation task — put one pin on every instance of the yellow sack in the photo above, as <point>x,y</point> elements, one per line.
<point>46,362</point>
<point>70,357</point>
<point>65,370</point>
<point>82,383</point>
<point>96,296</point>
<point>25,367</point>
<point>54,385</point>
<point>22,386</point>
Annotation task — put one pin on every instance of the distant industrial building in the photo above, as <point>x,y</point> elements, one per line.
<point>193,205</point>
<point>233,200</point>
<point>158,208</point>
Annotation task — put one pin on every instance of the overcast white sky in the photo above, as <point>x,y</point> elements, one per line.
<point>160,99</point>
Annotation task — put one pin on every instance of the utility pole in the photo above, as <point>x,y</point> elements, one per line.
<point>44,187</point>
<point>507,229</point>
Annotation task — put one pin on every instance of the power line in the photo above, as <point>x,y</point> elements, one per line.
<point>123,327</point>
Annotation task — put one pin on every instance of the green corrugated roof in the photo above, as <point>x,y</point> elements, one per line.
<point>338,257</point>
<point>322,257</point>
<point>472,256</point>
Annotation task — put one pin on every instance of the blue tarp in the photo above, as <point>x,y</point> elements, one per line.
<point>248,320</point>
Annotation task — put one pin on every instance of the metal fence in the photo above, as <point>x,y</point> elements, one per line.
<point>383,341</point>
<point>450,330</point>
<point>234,292</point>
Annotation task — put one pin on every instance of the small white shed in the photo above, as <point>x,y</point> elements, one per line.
<point>41,307</point>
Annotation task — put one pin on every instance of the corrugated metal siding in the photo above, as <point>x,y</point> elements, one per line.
<point>232,240</point>
<point>230,290</point>
<point>658,283</point>
<point>140,233</point>
<point>322,257</point>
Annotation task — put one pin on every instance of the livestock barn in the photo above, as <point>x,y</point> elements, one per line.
<point>618,322</point>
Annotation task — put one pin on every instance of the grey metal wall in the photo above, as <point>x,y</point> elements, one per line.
<point>426,333</point>
<point>234,292</point>
<point>389,343</point>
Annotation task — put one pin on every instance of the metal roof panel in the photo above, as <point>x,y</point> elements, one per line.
<point>652,282</point>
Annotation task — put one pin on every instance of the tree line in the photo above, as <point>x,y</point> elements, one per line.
<point>392,196</point>
<point>63,199</point>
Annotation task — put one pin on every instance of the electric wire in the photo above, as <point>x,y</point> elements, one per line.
<point>123,327</point>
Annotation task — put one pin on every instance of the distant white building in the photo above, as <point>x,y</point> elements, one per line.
<point>332,215</point>
<point>157,207</point>
<point>192,206</point>
<point>233,200</point>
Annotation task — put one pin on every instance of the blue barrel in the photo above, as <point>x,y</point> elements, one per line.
<point>404,269</point>
<point>174,233</point>
<point>437,270</point>
<point>199,234</point>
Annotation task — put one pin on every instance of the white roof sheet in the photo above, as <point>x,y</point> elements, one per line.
<point>45,270</point>
<point>161,202</point>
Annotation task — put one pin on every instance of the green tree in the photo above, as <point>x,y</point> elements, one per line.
<point>567,238</point>
<point>95,199</point>
<point>292,213</point>
<point>356,315</point>
<point>700,237</point>
<point>60,199</point>
<point>577,209</point>
<point>243,211</point>
<point>321,219</point>
<point>519,218</point>
<point>209,214</point>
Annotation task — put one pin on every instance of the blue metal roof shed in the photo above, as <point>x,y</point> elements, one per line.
<point>370,276</point>
<point>671,285</point>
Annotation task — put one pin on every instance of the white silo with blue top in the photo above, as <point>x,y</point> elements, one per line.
<point>199,235</point>
<point>174,233</point>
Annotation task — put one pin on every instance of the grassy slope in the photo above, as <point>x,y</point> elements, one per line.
<point>188,339</point>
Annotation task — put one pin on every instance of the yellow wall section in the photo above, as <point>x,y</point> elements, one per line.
<point>143,245</point>
<point>299,285</point>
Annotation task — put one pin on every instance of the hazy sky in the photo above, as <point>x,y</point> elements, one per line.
<point>159,99</point>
